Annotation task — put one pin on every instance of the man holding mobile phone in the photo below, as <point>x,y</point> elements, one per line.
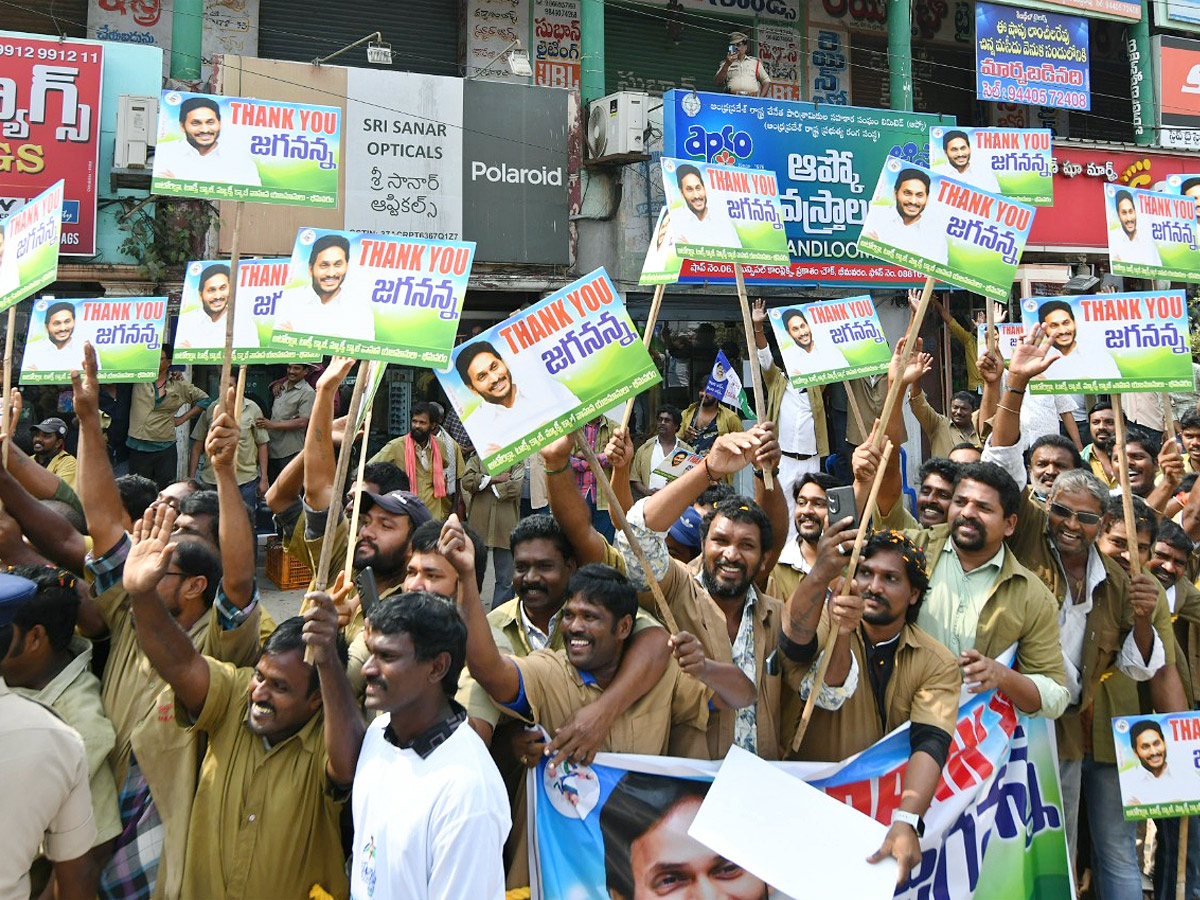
<point>741,73</point>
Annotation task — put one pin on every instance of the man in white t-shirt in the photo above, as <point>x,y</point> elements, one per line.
<point>200,155</point>
<point>204,327</point>
<point>60,352</point>
<point>699,223</point>
<point>959,166</point>
<point>908,226</point>
<point>507,413</point>
<point>324,307</point>
<point>1131,244</point>
<point>430,810</point>
<point>1152,782</point>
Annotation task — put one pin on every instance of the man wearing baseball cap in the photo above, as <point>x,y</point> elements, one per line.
<point>49,437</point>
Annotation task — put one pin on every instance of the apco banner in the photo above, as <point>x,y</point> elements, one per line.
<point>1013,162</point>
<point>50,124</point>
<point>233,148</point>
<point>373,296</point>
<point>722,214</point>
<point>1186,185</point>
<point>29,241</point>
<point>1113,343</point>
<point>1026,56</point>
<point>831,341</point>
<point>946,229</point>
<point>662,262</point>
<point>1008,335</point>
<point>547,370</point>
<point>824,159</point>
<point>1150,234</point>
<point>203,312</point>
<point>1156,764</point>
<point>994,828</point>
<point>127,335</point>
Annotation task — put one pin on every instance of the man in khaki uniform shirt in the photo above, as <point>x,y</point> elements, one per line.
<point>493,507</point>
<point>153,419</point>
<point>251,465</point>
<point>945,432</point>
<point>48,437</point>
<point>289,418</point>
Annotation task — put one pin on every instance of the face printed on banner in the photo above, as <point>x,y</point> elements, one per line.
<point>1060,328</point>
<point>911,198</point>
<point>1191,188</point>
<point>60,326</point>
<point>214,295</point>
<point>801,333</point>
<point>328,270</point>
<point>488,376</point>
<point>958,151</point>
<point>202,128</point>
<point>1127,213</point>
<point>694,194</point>
<point>1151,751</point>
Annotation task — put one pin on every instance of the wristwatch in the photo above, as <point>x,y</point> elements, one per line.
<point>912,819</point>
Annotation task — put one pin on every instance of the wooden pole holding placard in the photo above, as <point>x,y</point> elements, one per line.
<point>321,576</point>
<point>618,516</point>
<point>1122,464</point>
<point>227,356</point>
<point>990,337</point>
<point>856,412</point>
<point>239,395</point>
<point>7,399</point>
<point>760,406</point>
<point>1168,417</point>
<point>356,501</point>
<point>1181,861</point>
<point>827,651</point>
<point>647,337</point>
<point>910,347</point>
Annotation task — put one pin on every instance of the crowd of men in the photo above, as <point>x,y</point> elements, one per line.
<point>376,744</point>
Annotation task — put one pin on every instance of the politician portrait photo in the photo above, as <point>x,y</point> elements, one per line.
<point>205,302</point>
<point>199,144</point>
<point>808,354</point>
<point>964,164</point>
<point>58,348</point>
<point>323,306</point>
<point>1071,360</point>
<point>909,222</point>
<point>702,220</point>
<point>1131,241</point>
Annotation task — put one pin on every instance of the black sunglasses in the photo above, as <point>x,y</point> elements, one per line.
<point>1085,518</point>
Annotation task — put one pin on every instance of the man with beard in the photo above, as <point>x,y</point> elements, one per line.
<point>908,226</point>
<point>323,307</point>
<point>906,675</point>
<point>421,460</point>
<point>60,352</point>
<point>705,421</point>
<point>958,165</point>
<point>1058,319</point>
<point>1130,244</point>
<point>810,515</point>
<point>200,156</point>
<point>1152,782</point>
<point>49,450</point>
<point>699,222</point>
<point>945,432</point>
<point>203,327</point>
<point>272,771</point>
<point>714,597</point>
<point>1099,453</point>
<point>386,521</point>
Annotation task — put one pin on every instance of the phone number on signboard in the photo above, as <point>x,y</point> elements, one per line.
<point>51,53</point>
<point>1015,93</point>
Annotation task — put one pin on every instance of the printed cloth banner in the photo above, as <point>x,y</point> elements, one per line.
<point>662,263</point>
<point>726,386</point>
<point>1113,343</point>
<point>1188,185</point>
<point>680,463</point>
<point>1156,764</point>
<point>50,93</point>
<point>1028,56</point>
<point>946,229</point>
<point>29,245</point>
<point>831,341</point>
<point>373,296</point>
<point>546,371</point>
<point>1013,162</point>
<point>127,335</point>
<point>1008,335</point>
<point>213,147</point>
<point>1151,235</point>
<point>994,829</point>
<point>724,214</point>
<point>203,311</point>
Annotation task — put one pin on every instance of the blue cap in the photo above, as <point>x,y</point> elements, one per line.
<point>15,591</point>
<point>686,529</point>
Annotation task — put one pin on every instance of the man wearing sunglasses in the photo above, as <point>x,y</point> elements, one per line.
<point>741,73</point>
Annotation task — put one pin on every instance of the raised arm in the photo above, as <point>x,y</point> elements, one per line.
<point>320,462</point>
<point>568,505</point>
<point>729,453</point>
<point>803,611</point>
<point>991,373</point>
<point>49,532</point>
<point>1170,466</point>
<point>285,490</point>
<point>620,455</point>
<point>495,672</point>
<point>36,479</point>
<point>772,501</point>
<point>98,492</point>
<point>165,644</point>
<point>238,546</point>
<point>344,725</point>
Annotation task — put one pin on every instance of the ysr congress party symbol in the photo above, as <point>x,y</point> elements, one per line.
<point>235,148</point>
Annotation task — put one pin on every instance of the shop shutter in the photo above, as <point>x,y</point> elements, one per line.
<point>640,56</point>
<point>69,18</point>
<point>423,33</point>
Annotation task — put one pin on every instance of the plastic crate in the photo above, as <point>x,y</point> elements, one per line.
<point>285,570</point>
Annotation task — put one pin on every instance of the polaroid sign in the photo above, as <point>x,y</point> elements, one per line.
<point>503,173</point>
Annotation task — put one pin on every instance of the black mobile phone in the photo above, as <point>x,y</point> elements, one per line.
<point>368,594</point>
<point>842,504</point>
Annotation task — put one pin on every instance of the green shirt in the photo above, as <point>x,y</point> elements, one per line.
<point>955,599</point>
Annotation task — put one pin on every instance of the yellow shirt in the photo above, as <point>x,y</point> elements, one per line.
<point>265,819</point>
<point>64,466</point>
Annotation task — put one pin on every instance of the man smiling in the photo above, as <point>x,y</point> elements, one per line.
<point>907,225</point>
<point>200,156</point>
<point>699,222</point>
<point>1058,320</point>
<point>204,326</point>
<point>323,306</point>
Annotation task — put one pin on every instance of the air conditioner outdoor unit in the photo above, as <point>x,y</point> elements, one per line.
<point>137,123</point>
<point>617,124</point>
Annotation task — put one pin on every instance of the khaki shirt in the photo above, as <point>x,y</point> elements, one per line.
<point>141,706</point>
<point>492,511</point>
<point>64,466</point>
<point>898,518</point>
<point>870,397</point>
<point>295,402</point>
<point>696,612</point>
<point>74,693</point>
<point>151,421</point>
<point>943,434</point>
<point>1186,623</point>
<point>265,819</point>
<point>421,481</point>
<point>923,689</point>
<point>251,438</point>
